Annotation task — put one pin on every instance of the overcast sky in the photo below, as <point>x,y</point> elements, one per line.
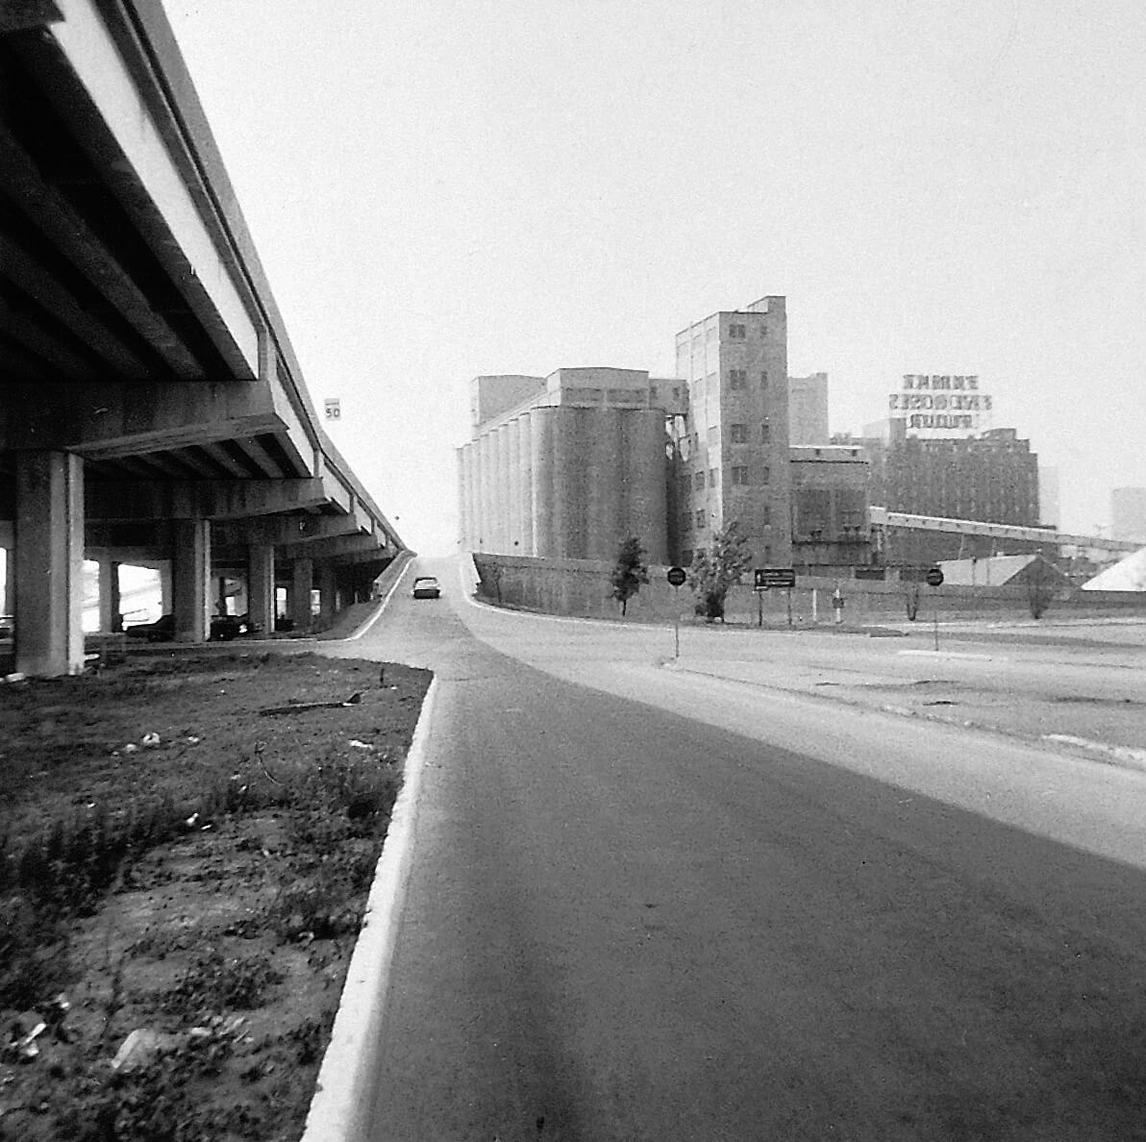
<point>441,190</point>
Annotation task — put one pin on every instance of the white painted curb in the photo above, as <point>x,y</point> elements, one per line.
<point>1119,754</point>
<point>342,1101</point>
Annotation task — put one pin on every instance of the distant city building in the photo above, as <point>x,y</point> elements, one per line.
<point>730,454</point>
<point>808,409</point>
<point>1128,513</point>
<point>1049,496</point>
<point>993,477</point>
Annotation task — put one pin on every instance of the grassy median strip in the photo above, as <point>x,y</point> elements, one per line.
<point>182,883</point>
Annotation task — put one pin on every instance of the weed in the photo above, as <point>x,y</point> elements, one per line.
<point>214,984</point>
<point>34,960</point>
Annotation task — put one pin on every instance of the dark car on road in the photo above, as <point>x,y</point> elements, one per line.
<point>223,628</point>
<point>427,587</point>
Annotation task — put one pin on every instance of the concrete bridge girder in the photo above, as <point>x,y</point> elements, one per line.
<point>100,89</point>
<point>108,420</point>
<point>208,499</point>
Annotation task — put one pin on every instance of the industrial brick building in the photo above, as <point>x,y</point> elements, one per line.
<point>730,453</point>
<point>566,466</point>
<point>569,465</point>
<point>830,506</point>
<point>992,477</point>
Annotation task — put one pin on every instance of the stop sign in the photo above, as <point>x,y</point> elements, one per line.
<point>934,577</point>
<point>676,576</point>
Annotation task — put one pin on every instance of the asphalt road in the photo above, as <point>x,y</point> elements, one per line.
<point>645,906</point>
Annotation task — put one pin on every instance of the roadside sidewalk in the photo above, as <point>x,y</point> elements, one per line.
<point>962,686</point>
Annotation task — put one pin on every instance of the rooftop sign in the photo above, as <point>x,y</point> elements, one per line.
<point>941,404</point>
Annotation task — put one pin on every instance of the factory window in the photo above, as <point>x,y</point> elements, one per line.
<point>738,433</point>
<point>764,379</point>
<point>700,518</point>
<point>737,378</point>
<point>765,433</point>
<point>765,474</point>
<point>740,474</point>
<point>763,328</point>
<point>685,520</point>
<point>736,332</point>
<point>698,481</point>
<point>712,477</point>
<point>766,515</point>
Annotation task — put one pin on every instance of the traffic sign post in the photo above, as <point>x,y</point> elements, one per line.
<point>774,577</point>
<point>676,577</point>
<point>765,579</point>
<point>934,578</point>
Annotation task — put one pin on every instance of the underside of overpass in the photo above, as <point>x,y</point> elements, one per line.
<point>151,407</point>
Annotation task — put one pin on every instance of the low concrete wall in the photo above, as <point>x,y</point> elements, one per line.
<point>581,587</point>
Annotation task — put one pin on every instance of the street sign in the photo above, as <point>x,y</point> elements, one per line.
<point>774,577</point>
<point>676,576</point>
<point>934,577</point>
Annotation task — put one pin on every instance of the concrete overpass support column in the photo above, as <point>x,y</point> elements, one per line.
<point>110,619</point>
<point>261,585</point>
<point>191,580</point>
<point>49,562</point>
<point>302,583</point>
<point>327,595</point>
<point>9,602</point>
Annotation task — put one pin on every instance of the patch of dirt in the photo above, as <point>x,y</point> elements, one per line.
<point>179,915</point>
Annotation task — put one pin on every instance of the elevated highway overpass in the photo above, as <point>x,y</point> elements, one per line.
<point>151,405</point>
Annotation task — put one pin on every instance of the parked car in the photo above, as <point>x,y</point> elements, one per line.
<point>162,630</point>
<point>427,587</point>
<point>223,628</point>
<point>227,627</point>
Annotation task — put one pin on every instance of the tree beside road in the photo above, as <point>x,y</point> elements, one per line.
<point>717,570</point>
